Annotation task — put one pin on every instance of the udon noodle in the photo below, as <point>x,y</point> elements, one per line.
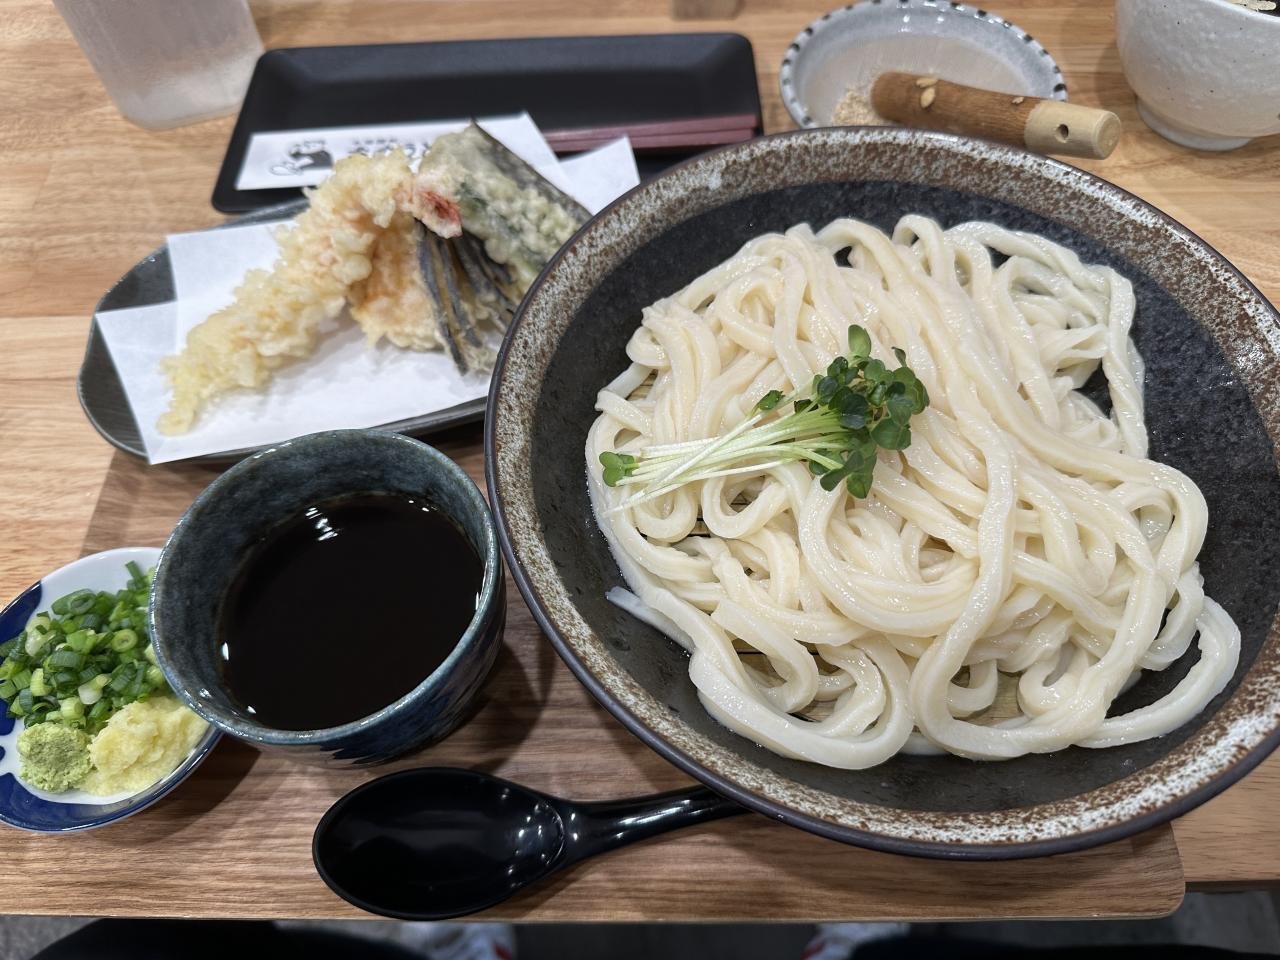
<point>1010,574</point>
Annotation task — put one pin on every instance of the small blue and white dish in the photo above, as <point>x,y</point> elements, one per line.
<point>26,807</point>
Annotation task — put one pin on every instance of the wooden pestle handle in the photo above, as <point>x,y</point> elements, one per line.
<point>1046,126</point>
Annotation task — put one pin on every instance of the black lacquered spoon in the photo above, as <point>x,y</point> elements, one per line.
<point>442,842</point>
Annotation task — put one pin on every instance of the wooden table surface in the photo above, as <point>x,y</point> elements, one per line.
<point>83,195</point>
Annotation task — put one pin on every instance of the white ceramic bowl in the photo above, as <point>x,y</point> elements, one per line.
<point>1204,70</point>
<point>961,42</point>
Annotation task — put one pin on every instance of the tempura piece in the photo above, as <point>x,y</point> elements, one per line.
<point>277,315</point>
<point>442,273</point>
<point>393,301</point>
<point>362,243</point>
<point>492,301</point>
<point>468,180</point>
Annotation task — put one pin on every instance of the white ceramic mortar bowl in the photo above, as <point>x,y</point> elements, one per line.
<point>1204,70</point>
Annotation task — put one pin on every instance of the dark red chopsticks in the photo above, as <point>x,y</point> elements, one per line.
<point>659,134</point>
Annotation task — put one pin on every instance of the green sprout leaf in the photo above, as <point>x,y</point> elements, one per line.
<point>891,435</point>
<point>769,400</point>
<point>921,397</point>
<point>854,409</point>
<point>859,342</point>
<point>859,484</point>
<point>831,479</point>
<point>617,467</point>
<point>900,409</point>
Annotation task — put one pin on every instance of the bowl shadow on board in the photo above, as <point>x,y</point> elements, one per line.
<point>501,717</point>
<point>209,785</point>
<point>1108,94</point>
<point>1120,99</point>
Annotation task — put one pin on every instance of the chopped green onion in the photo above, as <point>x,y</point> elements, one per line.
<point>124,640</point>
<point>65,658</point>
<point>38,687</point>
<point>36,643</point>
<point>90,692</point>
<point>76,603</point>
<point>85,657</point>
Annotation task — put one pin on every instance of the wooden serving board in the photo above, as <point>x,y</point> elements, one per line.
<point>235,839</point>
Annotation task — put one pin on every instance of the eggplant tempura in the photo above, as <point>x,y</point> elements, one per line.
<point>361,244</point>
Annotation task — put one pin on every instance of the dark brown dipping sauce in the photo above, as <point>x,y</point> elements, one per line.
<point>346,608</point>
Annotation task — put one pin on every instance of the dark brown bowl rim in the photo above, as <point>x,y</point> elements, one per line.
<point>1014,850</point>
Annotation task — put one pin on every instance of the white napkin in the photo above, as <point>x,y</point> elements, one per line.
<point>344,384</point>
<point>303,158</point>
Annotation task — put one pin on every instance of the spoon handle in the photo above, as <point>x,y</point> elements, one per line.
<point>593,828</point>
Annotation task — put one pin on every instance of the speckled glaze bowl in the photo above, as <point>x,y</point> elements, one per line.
<point>205,549</point>
<point>1205,332</point>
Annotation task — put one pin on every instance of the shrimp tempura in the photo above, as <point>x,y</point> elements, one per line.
<point>277,315</point>
<point>393,302</point>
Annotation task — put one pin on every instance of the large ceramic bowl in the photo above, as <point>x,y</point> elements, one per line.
<point>1213,404</point>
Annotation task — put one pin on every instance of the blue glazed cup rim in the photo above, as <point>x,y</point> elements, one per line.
<point>448,472</point>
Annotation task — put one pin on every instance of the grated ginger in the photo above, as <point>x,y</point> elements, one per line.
<point>141,744</point>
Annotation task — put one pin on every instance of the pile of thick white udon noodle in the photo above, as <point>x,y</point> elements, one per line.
<point>1009,574</point>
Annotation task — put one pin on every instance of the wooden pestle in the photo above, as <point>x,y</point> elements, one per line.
<point>1045,126</point>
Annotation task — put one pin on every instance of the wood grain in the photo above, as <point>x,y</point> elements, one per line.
<point>1046,126</point>
<point>253,813</point>
<point>83,195</point>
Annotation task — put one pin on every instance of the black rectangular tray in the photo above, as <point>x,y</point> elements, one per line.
<point>563,82</point>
